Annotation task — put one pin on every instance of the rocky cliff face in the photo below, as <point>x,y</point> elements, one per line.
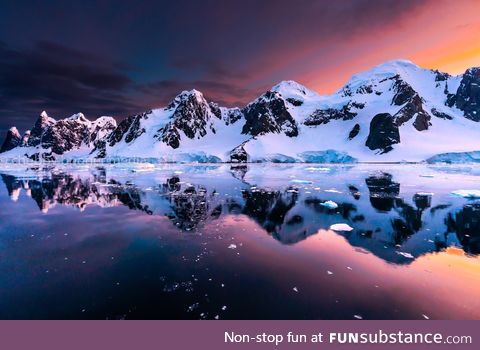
<point>269,114</point>
<point>467,97</point>
<point>12,140</point>
<point>191,116</point>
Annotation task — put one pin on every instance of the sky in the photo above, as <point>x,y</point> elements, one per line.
<point>123,57</point>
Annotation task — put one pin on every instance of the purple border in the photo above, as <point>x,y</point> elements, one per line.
<point>119,335</point>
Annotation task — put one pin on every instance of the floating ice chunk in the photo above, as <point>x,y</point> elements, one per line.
<point>330,204</point>
<point>425,193</point>
<point>341,227</point>
<point>329,273</point>
<point>470,194</point>
<point>358,317</point>
<point>232,246</point>
<point>427,175</point>
<point>140,167</point>
<point>317,169</point>
<point>406,255</point>
<point>297,181</point>
<point>332,190</point>
<point>295,289</point>
<point>425,317</point>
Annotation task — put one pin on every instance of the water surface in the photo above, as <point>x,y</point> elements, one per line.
<point>242,242</point>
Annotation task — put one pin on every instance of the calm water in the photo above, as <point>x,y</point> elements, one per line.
<point>192,242</point>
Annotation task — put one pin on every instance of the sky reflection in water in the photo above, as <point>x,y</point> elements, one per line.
<point>184,241</point>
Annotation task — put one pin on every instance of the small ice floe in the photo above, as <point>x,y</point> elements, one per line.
<point>178,172</point>
<point>425,317</point>
<point>349,268</point>
<point>341,227</point>
<point>317,169</point>
<point>295,289</point>
<point>406,255</point>
<point>330,204</point>
<point>469,194</point>
<point>427,175</point>
<point>332,190</point>
<point>193,307</point>
<point>297,181</point>
<point>232,246</point>
<point>329,273</point>
<point>358,317</point>
<point>140,167</point>
<point>425,193</point>
<point>224,307</point>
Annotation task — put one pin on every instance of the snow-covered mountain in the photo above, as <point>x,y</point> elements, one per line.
<point>394,112</point>
<point>74,136</point>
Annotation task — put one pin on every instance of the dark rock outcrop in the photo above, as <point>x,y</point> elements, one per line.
<point>191,115</point>
<point>383,133</point>
<point>269,114</point>
<point>467,97</point>
<point>11,141</point>
<point>403,92</point>
<point>239,155</point>
<point>323,116</point>
<point>413,106</point>
<point>354,132</point>
<point>39,129</point>
<point>440,115</point>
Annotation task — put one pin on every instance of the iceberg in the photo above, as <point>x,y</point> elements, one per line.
<point>341,227</point>
<point>328,156</point>
<point>330,204</point>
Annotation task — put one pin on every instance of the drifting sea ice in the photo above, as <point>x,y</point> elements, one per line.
<point>296,181</point>
<point>330,204</point>
<point>341,227</point>
<point>406,255</point>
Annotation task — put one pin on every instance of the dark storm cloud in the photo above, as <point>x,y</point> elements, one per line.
<point>60,79</point>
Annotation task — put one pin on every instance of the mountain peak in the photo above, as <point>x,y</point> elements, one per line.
<point>190,93</point>
<point>14,131</point>
<point>79,117</point>
<point>387,69</point>
<point>187,95</point>
<point>12,140</point>
<point>292,89</point>
<point>44,119</point>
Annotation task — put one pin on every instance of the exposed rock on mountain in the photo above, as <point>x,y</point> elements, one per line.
<point>467,98</point>
<point>323,116</point>
<point>191,116</point>
<point>383,133</point>
<point>50,138</point>
<point>269,114</point>
<point>12,140</point>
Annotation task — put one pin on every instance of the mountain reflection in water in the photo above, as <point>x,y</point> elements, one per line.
<point>396,214</point>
